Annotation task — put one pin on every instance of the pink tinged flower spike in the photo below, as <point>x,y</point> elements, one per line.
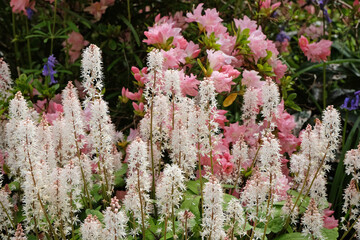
<point>5,80</point>
<point>170,189</point>
<point>246,23</point>
<point>271,99</point>
<point>115,221</point>
<point>235,217</point>
<point>18,111</point>
<point>91,72</point>
<point>101,136</point>
<point>73,117</point>
<point>19,234</point>
<point>352,163</point>
<point>351,200</point>
<point>251,104</point>
<point>155,60</point>
<point>331,128</point>
<point>172,83</point>
<point>6,224</point>
<point>269,155</point>
<point>312,221</point>
<point>47,152</point>
<point>91,229</point>
<point>97,9</point>
<point>213,215</point>
<point>138,183</point>
<point>76,43</point>
<point>251,79</point>
<point>286,210</point>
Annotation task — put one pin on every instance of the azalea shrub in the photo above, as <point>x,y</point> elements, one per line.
<point>219,134</point>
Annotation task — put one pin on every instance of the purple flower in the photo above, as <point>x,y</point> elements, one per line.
<point>353,101</point>
<point>30,13</point>
<point>282,36</point>
<point>322,4</point>
<point>49,69</point>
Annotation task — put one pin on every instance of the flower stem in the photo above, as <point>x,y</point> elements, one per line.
<point>53,29</point>
<point>28,42</point>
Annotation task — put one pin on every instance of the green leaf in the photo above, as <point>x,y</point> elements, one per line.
<point>191,202</point>
<point>194,186</point>
<point>227,198</point>
<point>14,186</point>
<point>112,44</point>
<point>72,26</point>
<point>330,234</point>
<point>291,236</point>
<point>136,36</point>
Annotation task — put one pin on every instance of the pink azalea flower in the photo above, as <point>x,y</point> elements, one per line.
<point>227,43</point>
<point>140,76</point>
<point>77,43</point>
<point>285,122</point>
<point>282,186</point>
<point>19,5</point>
<point>225,162</point>
<point>304,44</point>
<point>246,23</point>
<point>97,9</point>
<point>279,70</point>
<point>230,71</point>
<point>267,3</point>
<point>315,52</point>
<point>210,21</point>
<point>222,81</point>
<point>233,132</point>
<point>133,135</point>
<point>192,50</point>
<point>159,34</point>
<point>329,221</point>
<point>139,108</point>
<point>258,44</point>
<point>221,118</point>
<point>189,84</point>
<point>173,57</point>
<point>218,58</point>
<point>251,79</point>
<point>134,96</point>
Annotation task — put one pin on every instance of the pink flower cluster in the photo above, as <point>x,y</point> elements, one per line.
<point>76,43</point>
<point>21,6</point>
<point>98,8</point>
<point>315,52</point>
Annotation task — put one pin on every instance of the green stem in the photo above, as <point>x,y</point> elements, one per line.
<point>344,129</point>
<point>324,86</point>
<point>28,42</point>
<point>7,214</point>
<point>152,195</point>
<point>326,63</point>
<point>53,28</point>
<point>15,37</point>
<point>351,227</point>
